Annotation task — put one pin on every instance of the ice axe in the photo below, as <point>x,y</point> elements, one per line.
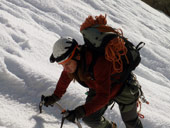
<point>41,103</point>
<point>64,112</point>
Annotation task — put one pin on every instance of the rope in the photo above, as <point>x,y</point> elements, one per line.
<point>139,104</point>
<point>114,51</point>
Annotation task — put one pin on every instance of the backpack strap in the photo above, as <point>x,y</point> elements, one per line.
<point>92,64</point>
<point>138,47</point>
<point>98,52</point>
<point>128,68</point>
<point>88,69</point>
<point>83,56</point>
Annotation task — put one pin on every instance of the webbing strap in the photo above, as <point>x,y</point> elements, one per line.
<point>138,47</point>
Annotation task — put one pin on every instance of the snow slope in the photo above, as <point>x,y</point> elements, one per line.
<point>29,29</point>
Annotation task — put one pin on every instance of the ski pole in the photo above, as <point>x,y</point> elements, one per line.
<point>65,114</point>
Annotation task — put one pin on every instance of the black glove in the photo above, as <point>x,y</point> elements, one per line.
<point>50,100</point>
<point>78,113</point>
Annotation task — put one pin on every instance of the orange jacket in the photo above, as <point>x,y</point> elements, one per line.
<point>101,84</point>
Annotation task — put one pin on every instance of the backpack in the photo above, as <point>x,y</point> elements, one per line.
<point>102,39</point>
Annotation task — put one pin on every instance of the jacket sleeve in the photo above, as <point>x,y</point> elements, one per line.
<point>102,86</point>
<point>62,84</point>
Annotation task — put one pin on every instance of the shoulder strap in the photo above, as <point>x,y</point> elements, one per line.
<point>91,67</point>
<point>99,52</point>
<point>88,69</point>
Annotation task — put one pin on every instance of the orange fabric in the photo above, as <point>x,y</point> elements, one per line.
<point>70,56</point>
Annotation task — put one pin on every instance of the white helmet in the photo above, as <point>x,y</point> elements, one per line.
<point>63,49</point>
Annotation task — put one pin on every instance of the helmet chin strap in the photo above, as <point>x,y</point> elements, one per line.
<point>76,56</point>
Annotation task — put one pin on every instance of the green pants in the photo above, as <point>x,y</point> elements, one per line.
<point>127,105</point>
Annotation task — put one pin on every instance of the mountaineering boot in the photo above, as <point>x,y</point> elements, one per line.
<point>114,125</point>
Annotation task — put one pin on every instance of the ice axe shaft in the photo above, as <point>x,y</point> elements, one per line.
<point>41,103</point>
<point>65,114</point>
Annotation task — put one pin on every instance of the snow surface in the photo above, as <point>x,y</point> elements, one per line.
<point>28,30</point>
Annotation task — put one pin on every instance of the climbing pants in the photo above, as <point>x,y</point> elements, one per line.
<point>127,105</point>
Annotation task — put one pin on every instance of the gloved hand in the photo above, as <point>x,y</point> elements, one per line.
<point>50,100</point>
<point>78,113</point>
